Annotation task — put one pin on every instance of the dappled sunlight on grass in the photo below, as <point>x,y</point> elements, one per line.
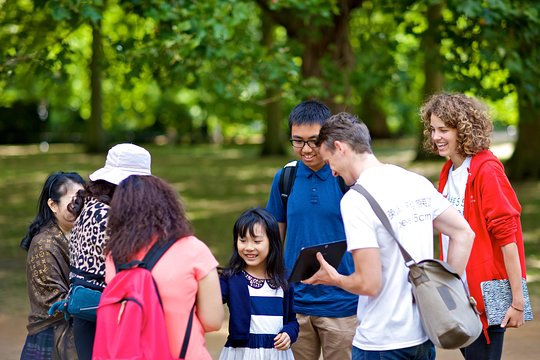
<point>530,209</point>
<point>503,151</point>
<point>179,186</point>
<point>215,184</point>
<point>206,209</point>
<point>401,158</point>
<point>24,150</point>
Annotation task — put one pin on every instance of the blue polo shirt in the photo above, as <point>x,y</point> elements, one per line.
<point>314,217</point>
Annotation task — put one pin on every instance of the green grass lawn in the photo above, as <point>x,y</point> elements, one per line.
<point>215,183</point>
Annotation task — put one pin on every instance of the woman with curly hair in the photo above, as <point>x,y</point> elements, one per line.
<point>458,127</point>
<point>145,210</point>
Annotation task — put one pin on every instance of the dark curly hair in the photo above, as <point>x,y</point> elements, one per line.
<point>143,209</point>
<point>100,190</point>
<point>469,116</point>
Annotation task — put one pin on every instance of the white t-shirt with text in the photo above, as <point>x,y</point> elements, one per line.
<point>390,320</point>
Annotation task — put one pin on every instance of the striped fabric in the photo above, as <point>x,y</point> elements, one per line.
<point>266,322</point>
<point>39,346</point>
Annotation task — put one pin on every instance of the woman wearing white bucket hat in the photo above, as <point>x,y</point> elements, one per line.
<point>88,236</point>
<point>122,161</point>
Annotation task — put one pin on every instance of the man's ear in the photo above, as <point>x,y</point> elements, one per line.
<point>339,146</point>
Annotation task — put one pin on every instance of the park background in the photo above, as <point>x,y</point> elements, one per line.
<point>206,86</point>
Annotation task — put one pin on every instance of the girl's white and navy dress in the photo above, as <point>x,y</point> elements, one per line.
<point>259,310</point>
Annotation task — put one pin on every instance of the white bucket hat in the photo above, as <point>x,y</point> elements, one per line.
<point>122,161</point>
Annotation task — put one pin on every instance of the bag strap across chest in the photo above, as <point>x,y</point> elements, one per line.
<point>409,261</point>
<point>417,274</point>
<point>150,259</point>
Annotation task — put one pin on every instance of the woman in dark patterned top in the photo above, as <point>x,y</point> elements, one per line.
<point>88,236</point>
<point>47,269</point>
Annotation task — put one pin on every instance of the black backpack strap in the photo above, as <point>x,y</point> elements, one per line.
<point>119,267</point>
<point>151,258</point>
<point>286,181</point>
<point>155,253</point>
<point>86,275</point>
<point>185,344</point>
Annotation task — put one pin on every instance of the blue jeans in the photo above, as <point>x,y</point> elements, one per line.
<point>425,351</point>
<point>481,350</point>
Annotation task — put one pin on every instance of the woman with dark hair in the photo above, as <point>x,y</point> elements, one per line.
<point>89,236</point>
<point>262,323</point>
<point>47,269</point>
<point>145,211</point>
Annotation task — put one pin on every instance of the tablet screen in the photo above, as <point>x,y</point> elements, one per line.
<point>307,264</point>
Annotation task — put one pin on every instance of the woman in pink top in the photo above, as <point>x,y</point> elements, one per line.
<point>145,209</point>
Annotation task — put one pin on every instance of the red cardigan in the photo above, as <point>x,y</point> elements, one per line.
<point>493,211</point>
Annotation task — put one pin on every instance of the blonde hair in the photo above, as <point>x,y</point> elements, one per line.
<point>469,116</point>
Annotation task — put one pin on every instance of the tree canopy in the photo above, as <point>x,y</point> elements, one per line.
<point>193,71</point>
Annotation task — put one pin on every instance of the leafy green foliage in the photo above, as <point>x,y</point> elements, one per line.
<point>151,48</point>
<point>156,52</point>
<point>492,46</point>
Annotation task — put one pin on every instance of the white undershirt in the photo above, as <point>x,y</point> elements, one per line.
<point>454,191</point>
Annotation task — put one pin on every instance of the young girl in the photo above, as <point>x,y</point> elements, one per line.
<point>47,269</point>
<point>262,322</point>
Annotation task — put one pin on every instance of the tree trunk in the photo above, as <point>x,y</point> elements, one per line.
<point>434,78</point>
<point>328,41</point>
<point>311,57</point>
<point>334,43</point>
<point>273,142</point>
<point>374,116</point>
<point>95,140</point>
<point>525,162</point>
<point>343,59</point>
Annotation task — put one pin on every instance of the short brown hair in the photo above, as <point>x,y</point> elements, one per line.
<point>348,129</point>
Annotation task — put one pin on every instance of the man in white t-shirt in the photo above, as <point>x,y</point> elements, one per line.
<point>390,324</point>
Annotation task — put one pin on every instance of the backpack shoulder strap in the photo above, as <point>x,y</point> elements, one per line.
<point>150,259</point>
<point>155,253</point>
<point>183,350</point>
<point>286,181</point>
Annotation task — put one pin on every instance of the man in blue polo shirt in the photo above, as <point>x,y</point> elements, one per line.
<point>326,314</point>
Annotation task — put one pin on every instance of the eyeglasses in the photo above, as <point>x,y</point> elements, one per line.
<point>297,143</point>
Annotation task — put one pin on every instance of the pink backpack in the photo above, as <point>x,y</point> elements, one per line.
<point>130,320</point>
